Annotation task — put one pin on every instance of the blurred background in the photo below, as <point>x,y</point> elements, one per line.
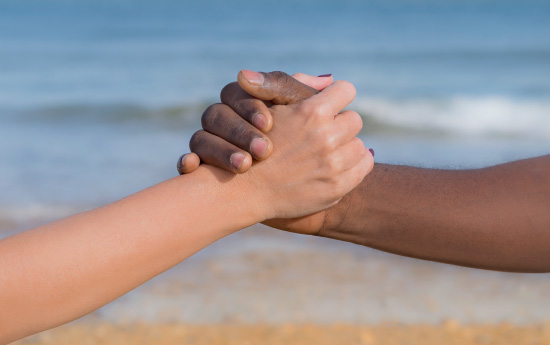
<point>99,98</point>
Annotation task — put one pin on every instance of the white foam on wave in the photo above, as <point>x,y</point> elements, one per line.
<point>462,115</point>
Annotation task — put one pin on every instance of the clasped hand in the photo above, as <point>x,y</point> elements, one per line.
<point>314,155</point>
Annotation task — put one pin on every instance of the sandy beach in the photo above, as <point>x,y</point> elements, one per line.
<point>450,333</point>
<point>262,286</point>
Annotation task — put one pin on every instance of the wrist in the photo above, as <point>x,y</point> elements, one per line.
<point>335,216</point>
<point>354,219</point>
<point>245,198</point>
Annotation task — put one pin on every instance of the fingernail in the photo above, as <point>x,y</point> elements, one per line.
<point>253,77</point>
<point>181,165</point>
<point>259,121</point>
<point>371,152</point>
<point>258,147</point>
<point>236,160</point>
<point>325,75</point>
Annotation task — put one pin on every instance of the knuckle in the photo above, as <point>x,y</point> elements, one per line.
<point>285,85</point>
<point>334,164</point>
<point>310,109</point>
<point>228,91</point>
<point>238,132</point>
<point>318,109</point>
<point>290,89</point>
<point>347,87</point>
<point>329,165</point>
<point>197,141</point>
<point>330,142</point>
<point>210,116</point>
<point>280,78</point>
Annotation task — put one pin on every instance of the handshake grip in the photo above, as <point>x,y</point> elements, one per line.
<point>234,131</point>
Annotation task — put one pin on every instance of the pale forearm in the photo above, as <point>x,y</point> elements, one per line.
<point>495,218</point>
<point>71,267</point>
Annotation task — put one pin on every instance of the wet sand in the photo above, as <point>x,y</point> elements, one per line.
<point>448,333</point>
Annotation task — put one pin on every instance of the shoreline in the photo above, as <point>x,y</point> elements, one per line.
<point>449,332</point>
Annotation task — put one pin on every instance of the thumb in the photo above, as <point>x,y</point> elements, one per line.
<point>277,87</point>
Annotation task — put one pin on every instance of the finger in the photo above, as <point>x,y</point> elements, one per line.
<point>277,87</point>
<point>353,176</point>
<point>348,155</point>
<point>188,162</point>
<point>318,83</point>
<point>215,151</point>
<point>251,109</point>
<point>331,100</point>
<point>224,122</point>
<point>346,126</point>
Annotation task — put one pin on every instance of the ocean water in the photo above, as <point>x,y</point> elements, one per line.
<point>99,98</point>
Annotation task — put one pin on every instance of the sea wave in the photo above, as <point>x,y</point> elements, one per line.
<point>111,113</point>
<point>458,115</point>
<point>487,116</point>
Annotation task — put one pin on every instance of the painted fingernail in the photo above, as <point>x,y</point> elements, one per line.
<point>253,77</point>
<point>259,121</point>
<point>236,160</point>
<point>181,164</point>
<point>325,75</point>
<point>258,147</point>
<point>371,152</point>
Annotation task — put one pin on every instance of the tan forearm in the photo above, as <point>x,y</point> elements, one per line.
<point>63,270</point>
<point>494,218</point>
